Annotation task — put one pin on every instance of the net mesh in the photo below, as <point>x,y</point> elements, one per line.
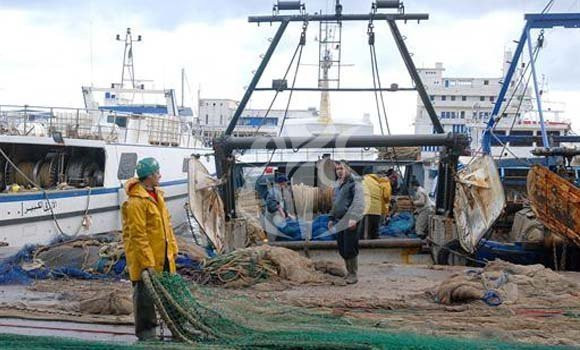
<point>203,315</point>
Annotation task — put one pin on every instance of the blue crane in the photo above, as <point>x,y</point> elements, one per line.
<point>533,21</point>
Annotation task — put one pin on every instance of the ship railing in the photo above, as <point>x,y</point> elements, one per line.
<point>95,124</point>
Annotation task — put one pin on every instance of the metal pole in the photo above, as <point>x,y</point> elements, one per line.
<point>415,76</point>
<point>256,77</point>
<point>355,141</point>
<point>486,138</point>
<point>538,96</point>
<point>393,89</point>
<point>340,18</point>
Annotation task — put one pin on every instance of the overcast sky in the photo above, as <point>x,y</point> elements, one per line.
<point>49,49</point>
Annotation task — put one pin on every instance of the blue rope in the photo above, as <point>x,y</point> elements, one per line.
<point>491,298</point>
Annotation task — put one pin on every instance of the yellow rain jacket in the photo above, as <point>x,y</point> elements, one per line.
<point>377,194</point>
<point>147,233</point>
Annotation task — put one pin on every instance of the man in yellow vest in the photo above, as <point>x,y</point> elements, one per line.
<point>377,191</point>
<point>148,240</point>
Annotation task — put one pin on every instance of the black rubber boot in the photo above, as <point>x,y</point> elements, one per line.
<point>352,269</point>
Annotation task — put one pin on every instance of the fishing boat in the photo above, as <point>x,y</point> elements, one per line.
<point>62,170</point>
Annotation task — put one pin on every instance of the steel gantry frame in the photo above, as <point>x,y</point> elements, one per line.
<point>452,144</point>
<point>390,18</point>
<point>533,21</point>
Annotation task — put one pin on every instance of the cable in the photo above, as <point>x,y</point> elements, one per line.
<point>377,81</point>
<point>291,91</point>
<point>516,114</point>
<point>507,105</point>
<point>286,110</point>
<point>548,6</point>
<point>455,252</point>
<point>371,35</point>
<point>278,91</point>
<point>299,48</point>
<point>50,207</point>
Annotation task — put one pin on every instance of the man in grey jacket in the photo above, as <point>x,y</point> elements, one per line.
<point>347,210</point>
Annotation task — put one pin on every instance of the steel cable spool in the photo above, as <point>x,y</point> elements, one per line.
<point>84,172</point>
<point>47,173</point>
<point>27,167</point>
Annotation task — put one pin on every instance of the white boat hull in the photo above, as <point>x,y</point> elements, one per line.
<point>28,218</point>
<point>40,217</point>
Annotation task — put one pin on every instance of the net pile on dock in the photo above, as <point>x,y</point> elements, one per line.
<point>201,316</point>
<point>501,282</point>
<point>245,267</point>
<point>83,258</point>
<point>86,257</point>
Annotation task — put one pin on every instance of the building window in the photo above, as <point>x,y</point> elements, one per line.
<point>527,141</point>
<point>459,128</point>
<point>214,104</point>
<point>432,98</point>
<point>452,115</point>
<point>491,98</point>
<point>206,119</point>
<point>462,114</point>
<point>443,98</point>
<point>221,119</point>
<point>463,98</point>
<point>482,98</point>
<point>452,98</point>
<point>486,82</point>
<point>494,141</point>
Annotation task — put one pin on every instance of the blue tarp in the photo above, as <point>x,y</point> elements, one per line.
<point>13,270</point>
<point>290,229</point>
<point>400,225</point>
<point>320,229</point>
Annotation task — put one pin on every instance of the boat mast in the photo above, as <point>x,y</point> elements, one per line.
<point>182,85</point>
<point>128,66</point>
<point>330,45</point>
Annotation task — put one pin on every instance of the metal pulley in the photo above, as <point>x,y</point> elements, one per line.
<point>288,6</point>
<point>387,4</point>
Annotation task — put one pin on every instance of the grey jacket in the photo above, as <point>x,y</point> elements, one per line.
<point>349,202</point>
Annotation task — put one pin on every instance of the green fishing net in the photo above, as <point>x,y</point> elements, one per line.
<point>211,318</point>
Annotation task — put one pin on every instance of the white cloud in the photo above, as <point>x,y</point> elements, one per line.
<point>45,62</point>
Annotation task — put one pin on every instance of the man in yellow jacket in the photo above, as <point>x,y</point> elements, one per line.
<point>148,240</point>
<point>377,198</point>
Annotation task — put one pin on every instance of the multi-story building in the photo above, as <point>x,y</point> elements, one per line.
<point>465,105</point>
<point>214,115</point>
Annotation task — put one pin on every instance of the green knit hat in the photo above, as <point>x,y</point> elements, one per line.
<point>146,167</point>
